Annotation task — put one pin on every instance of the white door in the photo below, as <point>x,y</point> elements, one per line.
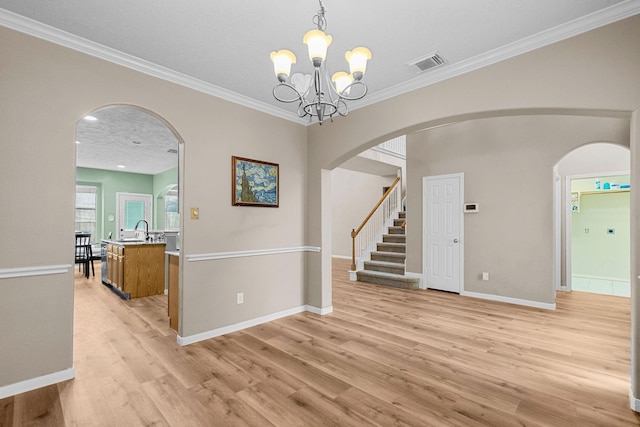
<point>130,209</point>
<point>442,251</point>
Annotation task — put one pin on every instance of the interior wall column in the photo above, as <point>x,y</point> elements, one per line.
<point>635,261</point>
<point>319,293</point>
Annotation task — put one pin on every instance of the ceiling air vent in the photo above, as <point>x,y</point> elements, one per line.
<point>425,63</point>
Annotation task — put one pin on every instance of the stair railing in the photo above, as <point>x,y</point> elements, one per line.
<point>365,237</point>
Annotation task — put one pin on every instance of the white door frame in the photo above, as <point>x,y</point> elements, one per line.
<point>425,242</point>
<point>557,229</point>
<point>148,211</point>
<point>568,220</point>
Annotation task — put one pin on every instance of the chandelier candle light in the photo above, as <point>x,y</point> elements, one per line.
<point>320,102</point>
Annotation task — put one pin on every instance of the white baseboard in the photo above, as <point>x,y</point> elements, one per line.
<point>38,382</point>
<point>633,402</point>
<point>528,303</point>
<point>319,311</point>
<point>341,257</point>
<point>190,339</point>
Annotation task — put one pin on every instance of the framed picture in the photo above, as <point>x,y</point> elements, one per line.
<point>254,183</point>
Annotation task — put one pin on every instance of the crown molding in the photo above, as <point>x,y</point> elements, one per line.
<point>573,28</point>
<point>578,26</point>
<point>46,32</point>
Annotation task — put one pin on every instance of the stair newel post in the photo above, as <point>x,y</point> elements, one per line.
<point>353,249</point>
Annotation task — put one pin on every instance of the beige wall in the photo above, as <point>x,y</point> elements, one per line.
<point>508,167</point>
<point>353,194</point>
<point>593,74</point>
<point>45,89</point>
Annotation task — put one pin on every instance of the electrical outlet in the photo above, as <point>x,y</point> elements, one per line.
<point>485,276</point>
<point>240,298</point>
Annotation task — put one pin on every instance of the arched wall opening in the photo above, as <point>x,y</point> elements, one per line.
<point>124,148</point>
<point>508,158</point>
<point>596,213</point>
<point>124,138</point>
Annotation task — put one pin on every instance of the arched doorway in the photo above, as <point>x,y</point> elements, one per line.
<point>125,153</point>
<point>593,211</point>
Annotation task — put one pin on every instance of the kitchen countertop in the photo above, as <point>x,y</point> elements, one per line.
<point>131,242</point>
<point>174,253</point>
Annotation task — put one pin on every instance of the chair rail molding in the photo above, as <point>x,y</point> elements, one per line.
<point>256,252</point>
<point>41,270</point>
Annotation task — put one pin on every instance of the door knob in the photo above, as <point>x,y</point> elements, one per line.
<point>455,240</point>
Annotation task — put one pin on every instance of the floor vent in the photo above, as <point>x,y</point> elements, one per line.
<point>425,63</point>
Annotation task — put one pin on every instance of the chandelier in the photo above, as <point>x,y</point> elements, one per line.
<point>315,94</point>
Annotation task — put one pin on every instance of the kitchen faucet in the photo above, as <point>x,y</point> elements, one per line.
<point>146,229</point>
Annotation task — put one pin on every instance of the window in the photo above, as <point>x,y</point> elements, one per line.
<point>171,212</point>
<point>86,197</point>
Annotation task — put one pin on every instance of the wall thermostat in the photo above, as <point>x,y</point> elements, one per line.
<point>471,207</point>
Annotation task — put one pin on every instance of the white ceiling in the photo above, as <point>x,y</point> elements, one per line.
<point>222,48</point>
<point>125,139</point>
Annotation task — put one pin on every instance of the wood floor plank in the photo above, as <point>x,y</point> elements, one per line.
<point>383,357</point>
<point>40,407</point>
<point>225,407</point>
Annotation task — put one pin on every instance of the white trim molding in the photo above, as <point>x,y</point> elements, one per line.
<point>43,31</point>
<point>242,254</point>
<point>634,403</point>
<point>190,339</point>
<point>509,300</point>
<point>581,25</point>
<point>38,382</point>
<point>44,270</point>
<point>319,311</point>
<point>544,38</point>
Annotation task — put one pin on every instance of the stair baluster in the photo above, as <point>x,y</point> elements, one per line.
<point>369,233</point>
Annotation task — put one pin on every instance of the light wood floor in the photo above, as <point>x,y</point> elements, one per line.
<point>384,357</point>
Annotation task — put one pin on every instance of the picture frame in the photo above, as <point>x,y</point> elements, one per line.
<point>254,183</point>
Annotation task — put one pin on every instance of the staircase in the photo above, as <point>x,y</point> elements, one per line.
<point>387,262</point>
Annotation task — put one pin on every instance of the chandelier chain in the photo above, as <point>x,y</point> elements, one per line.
<point>319,18</point>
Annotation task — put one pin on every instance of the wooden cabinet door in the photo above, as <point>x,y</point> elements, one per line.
<point>174,266</point>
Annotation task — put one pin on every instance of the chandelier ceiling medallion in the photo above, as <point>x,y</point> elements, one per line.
<point>325,99</point>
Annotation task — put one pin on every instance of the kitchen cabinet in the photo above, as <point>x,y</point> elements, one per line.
<point>173,285</point>
<point>135,270</point>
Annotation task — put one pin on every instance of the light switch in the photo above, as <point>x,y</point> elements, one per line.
<point>195,213</point>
